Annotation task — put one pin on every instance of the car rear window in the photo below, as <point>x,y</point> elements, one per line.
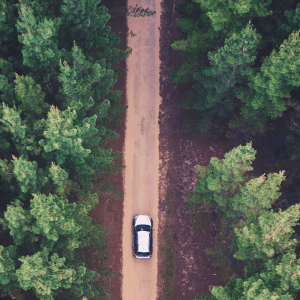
<point>142,227</point>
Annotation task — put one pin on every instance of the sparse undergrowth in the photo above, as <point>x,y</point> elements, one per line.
<point>219,253</point>
<point>168,251</point>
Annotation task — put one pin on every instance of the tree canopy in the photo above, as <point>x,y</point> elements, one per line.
<point>232,83</point>
<point>59,106</point>
<point>262,237</point>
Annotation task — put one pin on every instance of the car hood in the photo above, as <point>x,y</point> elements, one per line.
<point>143,220</point>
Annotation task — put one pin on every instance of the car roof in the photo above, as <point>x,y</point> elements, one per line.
<point>143,239</point>
<point>142,220</point>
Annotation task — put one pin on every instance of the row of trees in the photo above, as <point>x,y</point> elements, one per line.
<point>58,108</point>
<point>242,66</point>
<point>262,237</point>
<point>242,60</point>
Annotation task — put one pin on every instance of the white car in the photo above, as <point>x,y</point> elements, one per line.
<point>142,236</point>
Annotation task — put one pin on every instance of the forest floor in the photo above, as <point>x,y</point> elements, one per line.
<point>184,269</point>
<point>109,211</point>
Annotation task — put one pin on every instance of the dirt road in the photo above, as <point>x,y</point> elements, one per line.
<point>141,153</point>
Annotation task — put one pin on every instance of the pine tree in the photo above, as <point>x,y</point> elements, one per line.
<point>278,77</point>
<point>234,14</point>
<point>8,278</point>
<point>84,82</point>
<point>10,48</point>
<point>227,77</point>
<point>40,51</point>
<point>85,22</point>
<point>200,38</point>
<point>270,234</point>
<point>257,195</point>
<point>60,228</point>
<point>222,179</point>
<point>30,98</point>
<point>63,145</point>
<point>46,274</point>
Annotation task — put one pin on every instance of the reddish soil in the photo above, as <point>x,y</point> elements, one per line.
<point>180,151</point>
<point>109,211</point>
<point>141,151</point>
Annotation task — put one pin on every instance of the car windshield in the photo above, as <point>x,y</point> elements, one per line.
<point>143,228</point>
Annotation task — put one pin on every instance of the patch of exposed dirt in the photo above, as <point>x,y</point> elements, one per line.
<point>109,211</point>
<point>180,151</point>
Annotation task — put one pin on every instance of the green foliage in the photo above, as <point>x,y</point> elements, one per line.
<point>61,228</point>
<point>251,231</point>
<point>25,173</point>
<point>278,76</point>
<point>85,22</point>
<point>293,20</point>
<point>6,82</point>
<point>257,195</point>
<point>283,274</point>
<point>225,79</point>
<point>249,290</point>
<point>233,14</point>
<point>58,109</point>
<point>7,265</point>
<point>59,177</point>
<point>31,98</point>
<point>79,83</point>
<point>226,189</point>
<point>9,44</point>
<point>204,297</point>
<point>233,87</point>
<point>5,171</point>
<point>62,137</point>
<point>200,38</point>
<point>40,52</point>
<point>7,20</point>
<point>44,274</point>
<point>18,222</point>
<point>278,279</point>
<point>220,181</point>
<point>12,123</point>
<point>63,144</point>
<point>53,217</point>
<point>139,11</point>
<point>244,77</point>
<point>270,234</point>
<point>269,89</point>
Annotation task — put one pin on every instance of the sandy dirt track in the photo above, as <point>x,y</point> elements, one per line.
<point>141,152</point>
